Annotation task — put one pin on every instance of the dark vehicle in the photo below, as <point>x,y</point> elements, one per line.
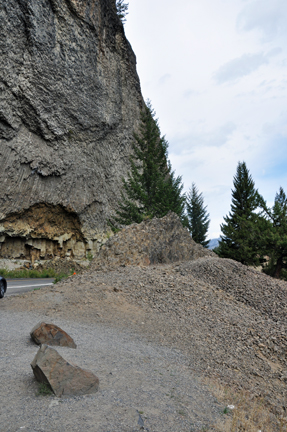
<point>3,286</point>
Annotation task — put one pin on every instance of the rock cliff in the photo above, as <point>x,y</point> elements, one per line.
<point>70,100</point>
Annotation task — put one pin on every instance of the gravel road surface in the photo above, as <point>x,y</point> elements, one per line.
<point>142,386</point>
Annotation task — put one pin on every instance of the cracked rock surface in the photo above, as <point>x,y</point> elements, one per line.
<point>158,240</point>
<point>64,378</point>
<point>70,100</point>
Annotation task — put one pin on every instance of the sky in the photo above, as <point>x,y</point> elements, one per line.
<point>215,72</point>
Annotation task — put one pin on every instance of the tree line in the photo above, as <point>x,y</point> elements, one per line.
<point>152,189</point>
<point>252,233</point>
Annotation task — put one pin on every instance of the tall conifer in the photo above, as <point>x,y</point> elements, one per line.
<point>274,237</point>
<point>122,9</point>
<point>151,188</point>
<point>240,240</point>
<point>198,218</point>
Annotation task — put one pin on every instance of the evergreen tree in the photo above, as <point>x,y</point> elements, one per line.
<point>197,216</point>
<point>274,237</point>
<point>151,188</point>
<point>122,9</point>
<point>240,240</point>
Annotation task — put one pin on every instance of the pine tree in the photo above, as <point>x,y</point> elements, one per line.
<point>274,237</point>
<point>151,188</point>
<point>240,239</point>
<point>198,218</point>
<point>122,9</point>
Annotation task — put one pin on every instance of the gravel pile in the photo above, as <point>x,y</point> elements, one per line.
<point>190,307</point>
<point>249,286</point>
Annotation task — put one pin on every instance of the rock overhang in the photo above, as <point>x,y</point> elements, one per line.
<point>69,104</point>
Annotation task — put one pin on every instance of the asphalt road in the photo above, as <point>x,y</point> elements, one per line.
<point>19,286</point>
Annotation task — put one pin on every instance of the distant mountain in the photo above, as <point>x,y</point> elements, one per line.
<point>213,243</point>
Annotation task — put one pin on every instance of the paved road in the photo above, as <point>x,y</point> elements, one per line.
<point>19,286</point>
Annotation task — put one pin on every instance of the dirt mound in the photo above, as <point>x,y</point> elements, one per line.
<point>155,241</point>
<point>223,337</point>
<point>249,286</point>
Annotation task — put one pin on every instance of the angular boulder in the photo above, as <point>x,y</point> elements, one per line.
<point>154,241</point>
<point>50,334</point>
<point>64,378</point>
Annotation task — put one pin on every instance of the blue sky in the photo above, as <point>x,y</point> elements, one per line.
<point>216,74</point>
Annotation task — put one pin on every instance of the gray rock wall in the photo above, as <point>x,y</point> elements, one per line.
<point>70,100</point>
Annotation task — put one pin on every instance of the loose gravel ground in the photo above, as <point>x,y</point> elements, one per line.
<point>142,386</point>
<point>149,333</point>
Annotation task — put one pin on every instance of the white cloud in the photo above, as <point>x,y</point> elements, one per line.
<point>191,141</point>
<point>164,78</point>
<point>267,16</point>
<point>244,65</point>
<point>210,127</point>
<point>189,93</point>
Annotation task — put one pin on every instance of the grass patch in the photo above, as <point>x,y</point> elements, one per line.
<point>90,256</point>
<point>25,273</point>
<point>61,276</point>
<point>44,390</point>
<point>250,414</point>
<point>226,410</point>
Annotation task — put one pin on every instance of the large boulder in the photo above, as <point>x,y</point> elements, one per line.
<point>155,241</point>
<point>63,377</point>
<point>50,334</point>
<point>70,101</point>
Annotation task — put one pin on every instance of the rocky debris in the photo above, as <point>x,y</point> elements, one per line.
<point>154,241</point>
<point>224,336</point>
<point>245,284</point>
<point>8,264</point>
<point>50,334</point>
<point>70,102</point>
<point>61,265</point>
<point>63,377</point>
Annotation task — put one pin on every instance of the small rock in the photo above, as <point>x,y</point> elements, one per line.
<point>50,334</point>
<point>54,403</point>
<point>140,421</point>
<point>63,377</point>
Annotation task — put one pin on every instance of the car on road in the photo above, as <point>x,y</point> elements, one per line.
<point>3,286</point>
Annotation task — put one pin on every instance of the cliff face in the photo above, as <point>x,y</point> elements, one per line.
<point>70,100</point>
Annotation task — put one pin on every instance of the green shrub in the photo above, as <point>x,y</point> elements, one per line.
<point>90,256</point>
<point>61,276</point>
<point>44,390</point>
